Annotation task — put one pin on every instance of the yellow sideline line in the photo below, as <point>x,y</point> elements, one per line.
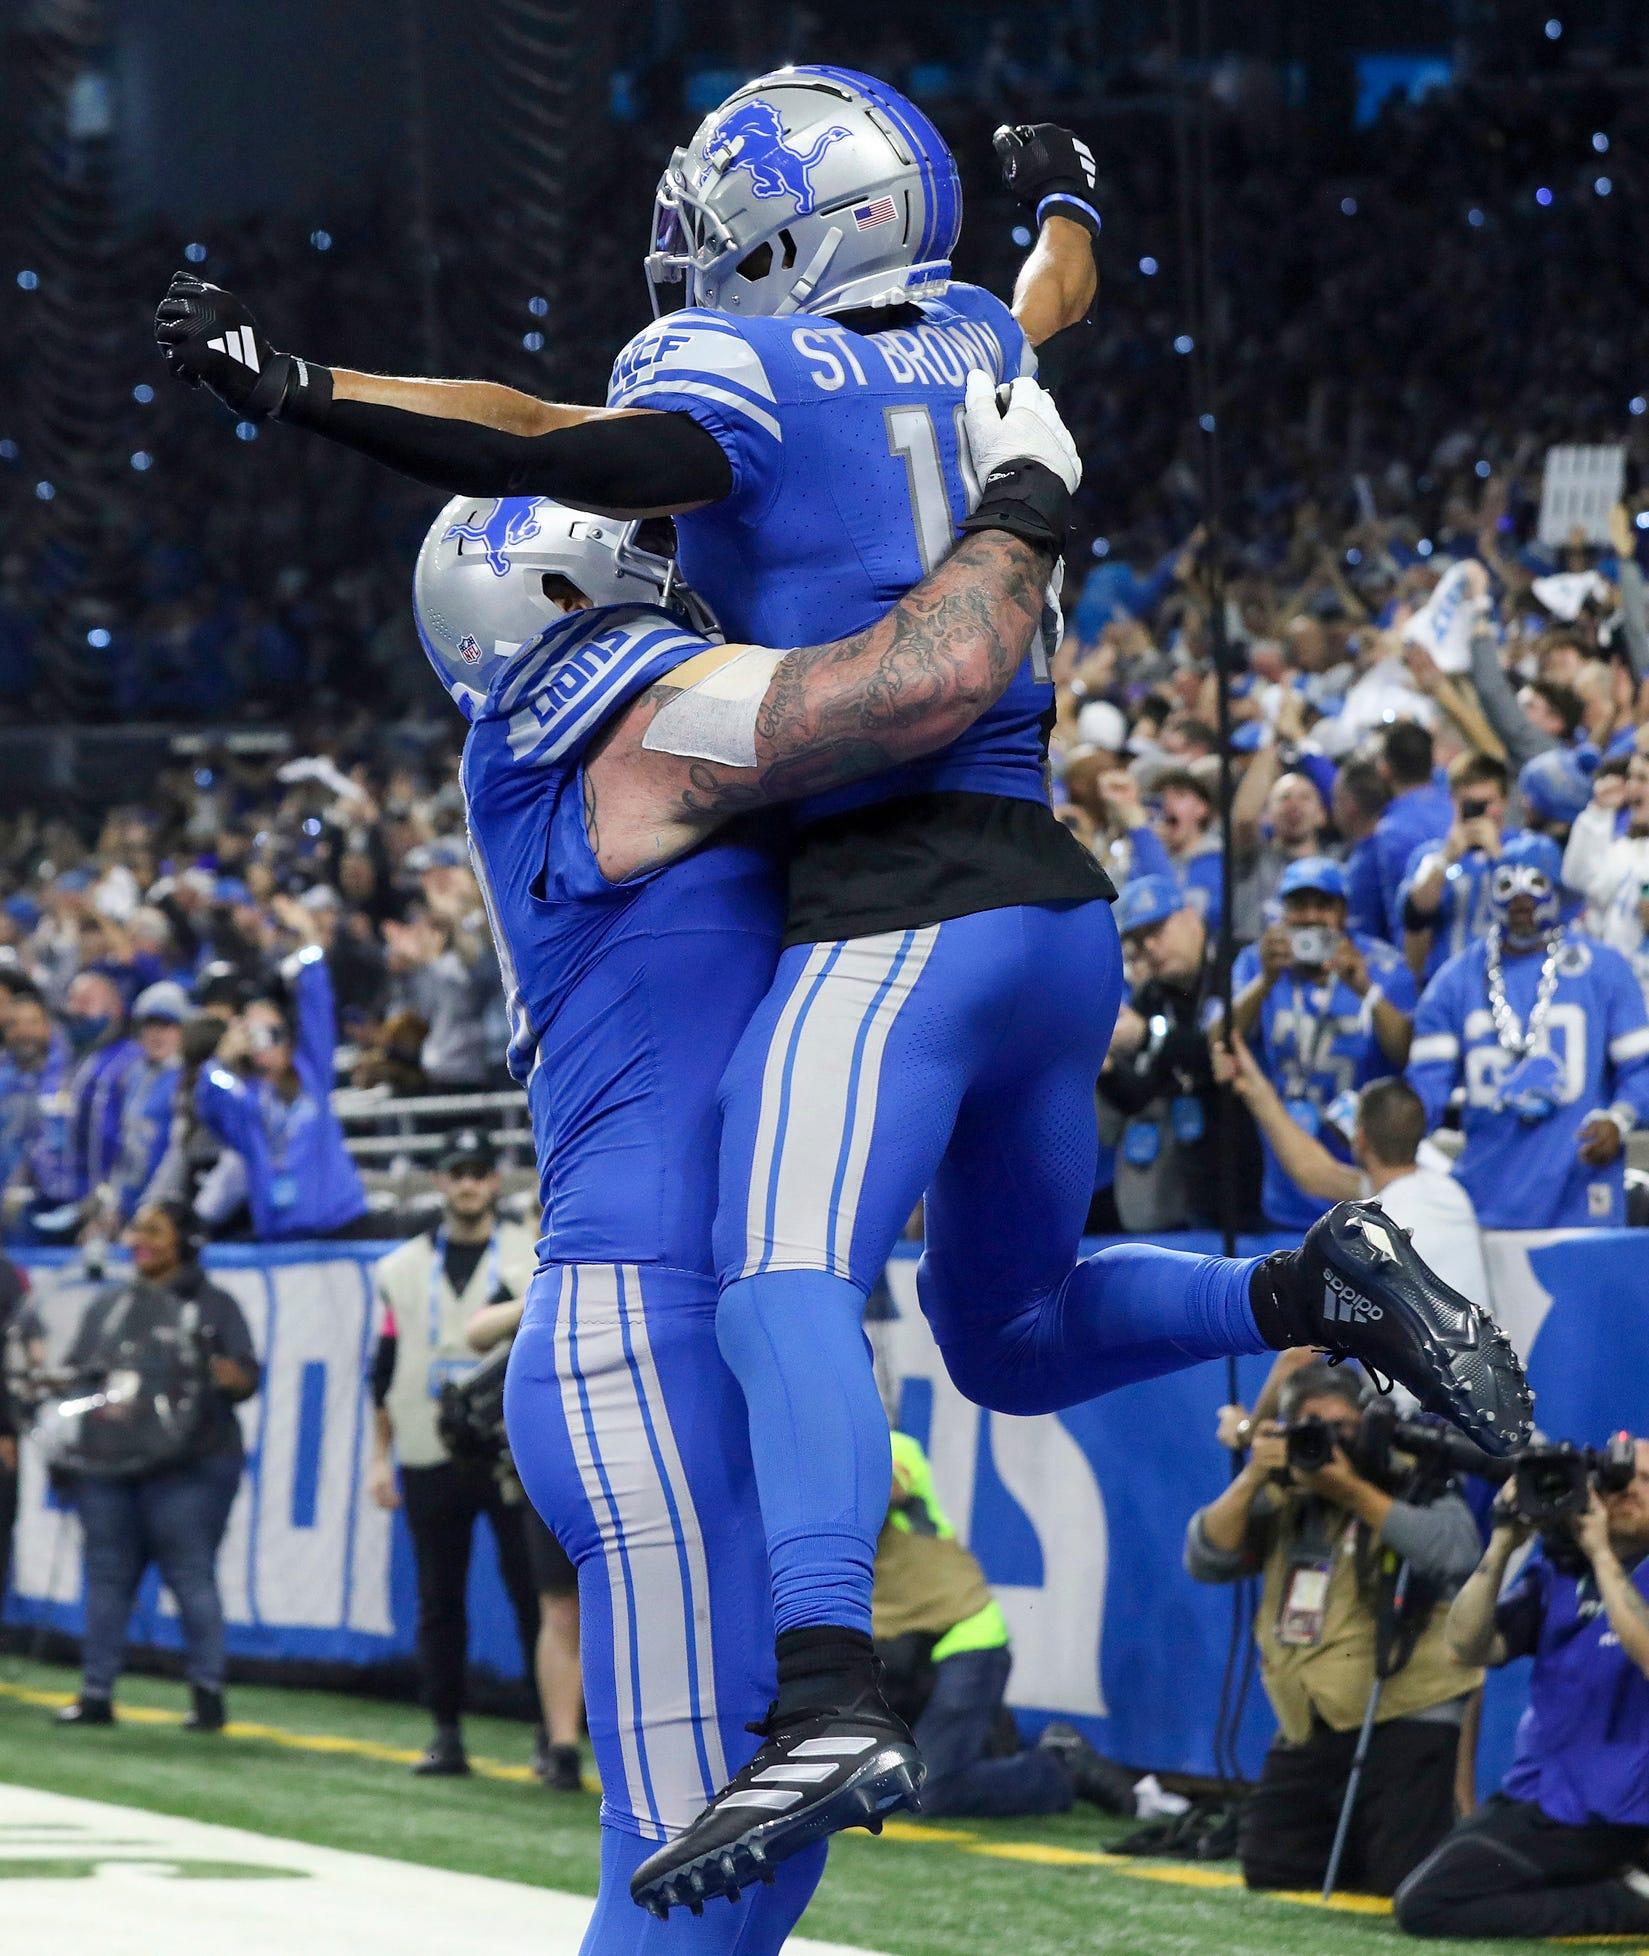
<point>1042,1854</point>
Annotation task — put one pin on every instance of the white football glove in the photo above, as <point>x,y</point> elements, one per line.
<point>1016,424</point>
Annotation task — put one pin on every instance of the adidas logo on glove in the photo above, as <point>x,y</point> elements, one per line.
<point>1343,1305</point>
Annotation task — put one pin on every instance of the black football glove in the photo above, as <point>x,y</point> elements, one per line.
<point>1041,161</point>
<point>210,338</point>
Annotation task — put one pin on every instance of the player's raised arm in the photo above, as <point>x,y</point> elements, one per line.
<point>1051,172</point>
<point>469,437</point>
<point>745,726</point>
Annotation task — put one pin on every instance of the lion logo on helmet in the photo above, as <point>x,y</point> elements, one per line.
<point>755,137</point>
<point>506,526</point>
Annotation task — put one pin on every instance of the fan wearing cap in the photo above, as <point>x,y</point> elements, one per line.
<point>151,1091</point>
<point>1154,1094</point>
<point>428,1290</point>
<point>1545,1027</point>
<point>1324,1009</point>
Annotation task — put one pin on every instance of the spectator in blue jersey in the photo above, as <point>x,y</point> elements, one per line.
<point>146,1118</point>
<point>1444,898</point>
<point>1188,830</point>
<point>33,1067</point>
<point>267,1095</point>
<point>1546,1027</point>
<point>1324,1009</point>
<point>1359,798</point>
<point>80,1120</point>
<point>1560,1850</point>
<point>1419,812</point>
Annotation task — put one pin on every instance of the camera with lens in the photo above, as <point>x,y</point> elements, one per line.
<point>1313,944</point>
<point>470,1415</point>
<point>1387,1449</point>
<point>1553,1484</point>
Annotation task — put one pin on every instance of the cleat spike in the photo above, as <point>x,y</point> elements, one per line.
<point>873,1826</point>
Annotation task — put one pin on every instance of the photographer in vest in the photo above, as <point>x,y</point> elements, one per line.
<point>1327,1543</point>
<point>171,1504</point>
<point>429,1289</point>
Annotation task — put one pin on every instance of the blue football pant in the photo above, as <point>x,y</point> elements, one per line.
<point>958,1061</point>
<point>629,1435</point>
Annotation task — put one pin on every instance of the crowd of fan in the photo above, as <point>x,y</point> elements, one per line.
<point>1397,347</point>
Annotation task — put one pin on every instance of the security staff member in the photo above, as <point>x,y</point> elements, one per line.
<point>1563,1848</point>
<point>943,1641</point>
<point>429,1289</point>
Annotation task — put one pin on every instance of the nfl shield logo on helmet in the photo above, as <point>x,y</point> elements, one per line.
<point>468,650</point>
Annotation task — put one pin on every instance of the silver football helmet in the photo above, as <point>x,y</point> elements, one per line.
<point>809,190</point>
<point>480,590</point>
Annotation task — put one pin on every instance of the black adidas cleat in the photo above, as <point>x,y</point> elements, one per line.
<point>1356,1289</point>
<point>819,1772</point>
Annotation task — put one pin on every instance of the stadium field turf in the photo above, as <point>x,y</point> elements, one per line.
<point>331,1770</point>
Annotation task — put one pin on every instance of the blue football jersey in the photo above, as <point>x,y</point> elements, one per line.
<point>625,1000</point>
<point>1315,1042</point>
<point>847,488</point>
<point>1527,1173</point>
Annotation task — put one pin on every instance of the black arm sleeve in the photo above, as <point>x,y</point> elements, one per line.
<point>382,1375</point>
<point>641,461</point>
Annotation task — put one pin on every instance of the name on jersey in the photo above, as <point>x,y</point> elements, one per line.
<point>926,355</point>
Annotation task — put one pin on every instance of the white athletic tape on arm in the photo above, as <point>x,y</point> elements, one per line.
<point>715,718</point>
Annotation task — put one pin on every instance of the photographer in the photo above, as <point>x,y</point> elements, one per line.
<point>1444,899</point>
<point>1324,1010</point>
<point>170,1512</point>
<point>1326,1542</point>
<point>1155,1094</point>
<point>430,1289</point>
<point>1558,1851</point>
<point>269,1098</point>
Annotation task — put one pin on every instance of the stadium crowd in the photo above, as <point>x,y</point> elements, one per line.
<point>1397,720</point>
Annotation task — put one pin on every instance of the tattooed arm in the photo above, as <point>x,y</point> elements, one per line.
<point>906,686</point>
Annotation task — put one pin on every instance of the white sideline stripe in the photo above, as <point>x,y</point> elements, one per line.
<point>843,1748</point>
<point>323,1901</point>
<point>774,1799</point>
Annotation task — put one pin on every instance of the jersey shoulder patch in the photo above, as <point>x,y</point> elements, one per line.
<point>554,699</point>
<point>696,357</point>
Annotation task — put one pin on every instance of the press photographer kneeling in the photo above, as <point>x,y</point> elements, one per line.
<point>1560,1850</point>
<point>1330,1515</point>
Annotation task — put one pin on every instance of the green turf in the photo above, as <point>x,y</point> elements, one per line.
<point>905,1897</point>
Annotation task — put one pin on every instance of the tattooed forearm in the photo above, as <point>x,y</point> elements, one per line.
<point>907,685</point>
<point>833,713</point>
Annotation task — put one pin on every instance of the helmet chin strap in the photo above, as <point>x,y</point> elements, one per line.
<point>815,269</point>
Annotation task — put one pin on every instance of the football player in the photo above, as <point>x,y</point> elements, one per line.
<point>951,970</point>
<point>633,959</point>
<point>1546,1027</point>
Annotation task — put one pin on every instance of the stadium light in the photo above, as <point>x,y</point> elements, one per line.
<point>98,636</point>
<point>321,240</point>
<point>28,280</point>
<point>1554,30</point>
<point>195,253</point>
<point>1424,546</point>
<point>142,459</point>
<point>8,450</point>
<point>1184,343</point>
<point>1101,546</point>
<point>1600,142</point>
<point>1543,197</point>
<point>533,342</point>
<point>44,492</point>
<point>1636,404</point>
<point>1603,186</point>
<point>1021,235</point>
<point>143,393</point>
<point>246,431</point>
<point>1149,267</point>
<point>1642,519</point>
<point>1348,206</point>
<point>1475,219</point>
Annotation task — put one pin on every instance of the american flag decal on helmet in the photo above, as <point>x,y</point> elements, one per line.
<point>882,211</point>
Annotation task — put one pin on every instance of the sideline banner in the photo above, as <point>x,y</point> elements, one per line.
<point>1079,1519</point>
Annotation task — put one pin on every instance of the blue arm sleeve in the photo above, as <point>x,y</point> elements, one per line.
<point>224,1102</point>
<point>316,1021</point>
<point>1148,856</point>
<point>700,364</point>
<point>1434,1058</point>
